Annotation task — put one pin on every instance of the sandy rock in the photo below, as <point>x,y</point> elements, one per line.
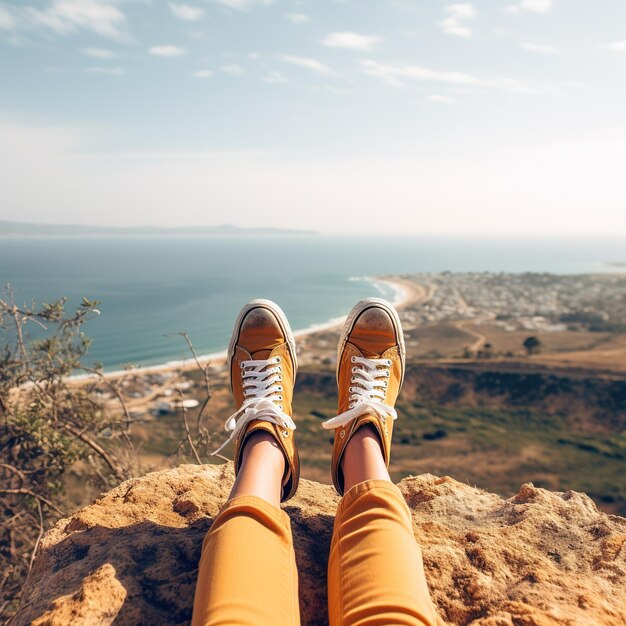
<point>85,607</point>
<point>537,559</point>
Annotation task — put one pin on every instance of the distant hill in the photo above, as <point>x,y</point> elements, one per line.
<point>23,229</point>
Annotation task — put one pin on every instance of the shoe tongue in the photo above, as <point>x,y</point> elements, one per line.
<point>372,344</point>
<point>261,355</point>
<point>367,351</point>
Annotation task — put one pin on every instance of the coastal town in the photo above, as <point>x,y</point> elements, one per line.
<point>533,302</point>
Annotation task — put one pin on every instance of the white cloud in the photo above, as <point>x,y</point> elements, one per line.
<point>242,5</point>
<point>450,26</point>
<point>186,12</point>
<point>7,21</point>
<point>351,41</point>
<point>99,53</point>
<point>461,11</point>
<point>297,18</point>
<point>65,17</point>
<point>274,78</point>
<point>541,49</point>
<point>203,73</point>
<point>576,84</point>
<point>616,46</point>
<point>111,71</point>
<point>538,6</point>
<point>233,69</point>
<point>331,89</point>
<point>458,15</point>
<point>439,98</point>
<point>396,75</point>
<point>534,6</point>
<point>167,51</point>
<point>311,64</point>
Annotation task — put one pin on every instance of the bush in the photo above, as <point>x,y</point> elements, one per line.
<point>49,423</point>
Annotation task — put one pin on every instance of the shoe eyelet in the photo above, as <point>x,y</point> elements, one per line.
<point>280,397</point>
<point>354,369</point>
<point>279,388</point>
<point>277,360</point>
<point>285,433</point>
<point>353,359</point>
<point>342,433</point>
<point>280,406</point>
<point>388,361</point>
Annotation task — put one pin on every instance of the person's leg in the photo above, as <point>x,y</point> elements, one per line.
<point>247,572</point>
<point>375,569</point>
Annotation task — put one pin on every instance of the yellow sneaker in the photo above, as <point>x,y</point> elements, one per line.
<point>263,365</point>
<point>370,371</point>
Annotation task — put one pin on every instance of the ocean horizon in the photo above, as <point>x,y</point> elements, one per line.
<point>152,288</point>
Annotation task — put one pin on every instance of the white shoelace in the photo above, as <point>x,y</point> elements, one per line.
<point>367,392</point>
<point>262,388</point>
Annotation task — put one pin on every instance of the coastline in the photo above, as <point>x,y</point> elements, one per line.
<point>406,292</point>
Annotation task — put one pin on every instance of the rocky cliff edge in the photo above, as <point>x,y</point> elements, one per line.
<point>537,559</point>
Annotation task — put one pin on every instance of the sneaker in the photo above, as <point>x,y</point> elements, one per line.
<point>263,365</point>
<point>370,371</point>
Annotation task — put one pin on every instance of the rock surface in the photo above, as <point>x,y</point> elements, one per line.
<point>537,559</point>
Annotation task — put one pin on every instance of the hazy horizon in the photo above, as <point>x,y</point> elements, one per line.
<point>382,116</point>
<point>226,230</point>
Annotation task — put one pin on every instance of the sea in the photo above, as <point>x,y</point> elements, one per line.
<point>152,288</point>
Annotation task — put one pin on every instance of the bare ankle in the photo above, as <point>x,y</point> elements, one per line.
<point>363,458</point>
<point>262,446</point>
<point>262,469</point>
<point>364,438</point>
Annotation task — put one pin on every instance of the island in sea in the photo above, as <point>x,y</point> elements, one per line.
<point>25,229</point>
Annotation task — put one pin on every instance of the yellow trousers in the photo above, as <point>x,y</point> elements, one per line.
<point>247,573</point>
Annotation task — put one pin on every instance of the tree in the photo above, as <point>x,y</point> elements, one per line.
<point>532,345</point>
<point>486,352</point>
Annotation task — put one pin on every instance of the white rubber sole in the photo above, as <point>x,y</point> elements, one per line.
<point>282,319</point>
<point>354,314</point>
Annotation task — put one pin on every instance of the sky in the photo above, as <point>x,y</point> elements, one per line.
<point>501,117</point>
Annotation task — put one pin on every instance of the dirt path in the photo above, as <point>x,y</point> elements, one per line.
<point>479,340</point>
